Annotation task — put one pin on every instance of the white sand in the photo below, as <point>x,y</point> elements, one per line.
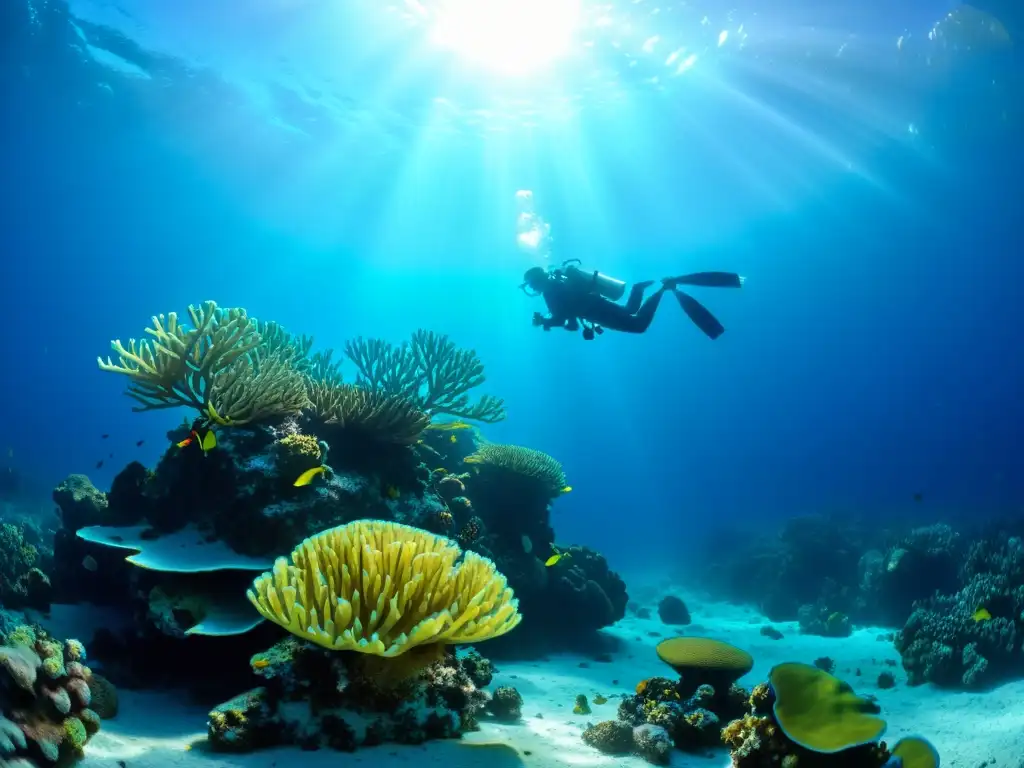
<point>155,729</point>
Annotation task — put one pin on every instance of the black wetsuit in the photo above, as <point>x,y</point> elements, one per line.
<point>568,305</point>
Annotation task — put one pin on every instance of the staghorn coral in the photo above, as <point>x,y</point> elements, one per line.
<point>220,366</point>
<point>375,414</point>
<point>45,707</point>
<point>534,470</point>
<point>385,588</point>
<point>257,387</point>
<point>430,371</point>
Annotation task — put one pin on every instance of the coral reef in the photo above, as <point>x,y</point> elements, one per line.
<point>806,717</point>
<point>687,712</point>
<point>970,638</point>
<point>278,448</point>
<point>25,560</point>
<point>958,597</point>
<point>45,714</point>
<point>312,697</point>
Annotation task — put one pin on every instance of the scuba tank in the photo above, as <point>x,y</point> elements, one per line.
<point>592,281</point>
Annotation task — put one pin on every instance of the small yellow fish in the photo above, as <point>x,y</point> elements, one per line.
<point>599,699</point>
<point>307,477</point>
<point>441,471</point>
<point>392,492</point>
<point>981,614</point>
<point>566,489</point>
<point>453,439</point>
<point>553,560</point>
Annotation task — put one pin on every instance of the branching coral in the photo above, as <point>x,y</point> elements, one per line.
<point>221,365</point>
<point>384,588</point>
<point>373,413</point>
<point>430,371</point>
<point>534,468</point>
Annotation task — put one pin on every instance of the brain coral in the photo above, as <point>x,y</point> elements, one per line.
<point>384,588</point>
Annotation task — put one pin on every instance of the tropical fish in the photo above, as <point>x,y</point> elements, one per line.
<point>89,563</point>
<point>104,436</point>
<point>207,443</point>
<point>139,443</point>
<point>99,464</point>
<point>566,488</point>
<point>307,477</point>
<point>599,699</point>
<point>448,426</point>
<point>556,557</point>
<point>392,492</point>
<point>453,439</point>
<point>981,614</point>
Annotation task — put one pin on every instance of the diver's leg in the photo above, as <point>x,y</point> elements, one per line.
<point>641,321</point>
<point>705,280</point>
<point>636,296</point>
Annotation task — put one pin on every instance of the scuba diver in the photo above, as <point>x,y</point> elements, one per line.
<point>578,298</point>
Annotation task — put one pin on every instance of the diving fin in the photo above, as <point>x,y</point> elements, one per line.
<point>707,280</point>
<point>700,315</point>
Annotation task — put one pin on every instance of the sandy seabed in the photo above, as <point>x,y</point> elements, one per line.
<point>157,730</point>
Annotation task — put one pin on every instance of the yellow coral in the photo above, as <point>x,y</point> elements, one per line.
<point>301,445</point>
<point>383,588</point>
<point>820,712</point>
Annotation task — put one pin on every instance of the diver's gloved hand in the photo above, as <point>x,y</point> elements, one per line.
<point>538,319</point>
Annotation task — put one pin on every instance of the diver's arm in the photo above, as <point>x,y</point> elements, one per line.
<point>548,322</point>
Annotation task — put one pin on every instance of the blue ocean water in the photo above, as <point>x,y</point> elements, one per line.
<point>329,168</point>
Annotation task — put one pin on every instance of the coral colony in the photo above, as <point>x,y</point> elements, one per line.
<point>332,547</point>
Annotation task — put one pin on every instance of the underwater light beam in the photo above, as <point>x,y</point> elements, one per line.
<point>508,37</point>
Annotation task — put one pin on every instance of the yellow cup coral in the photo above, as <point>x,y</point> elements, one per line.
<point>384,588</point>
